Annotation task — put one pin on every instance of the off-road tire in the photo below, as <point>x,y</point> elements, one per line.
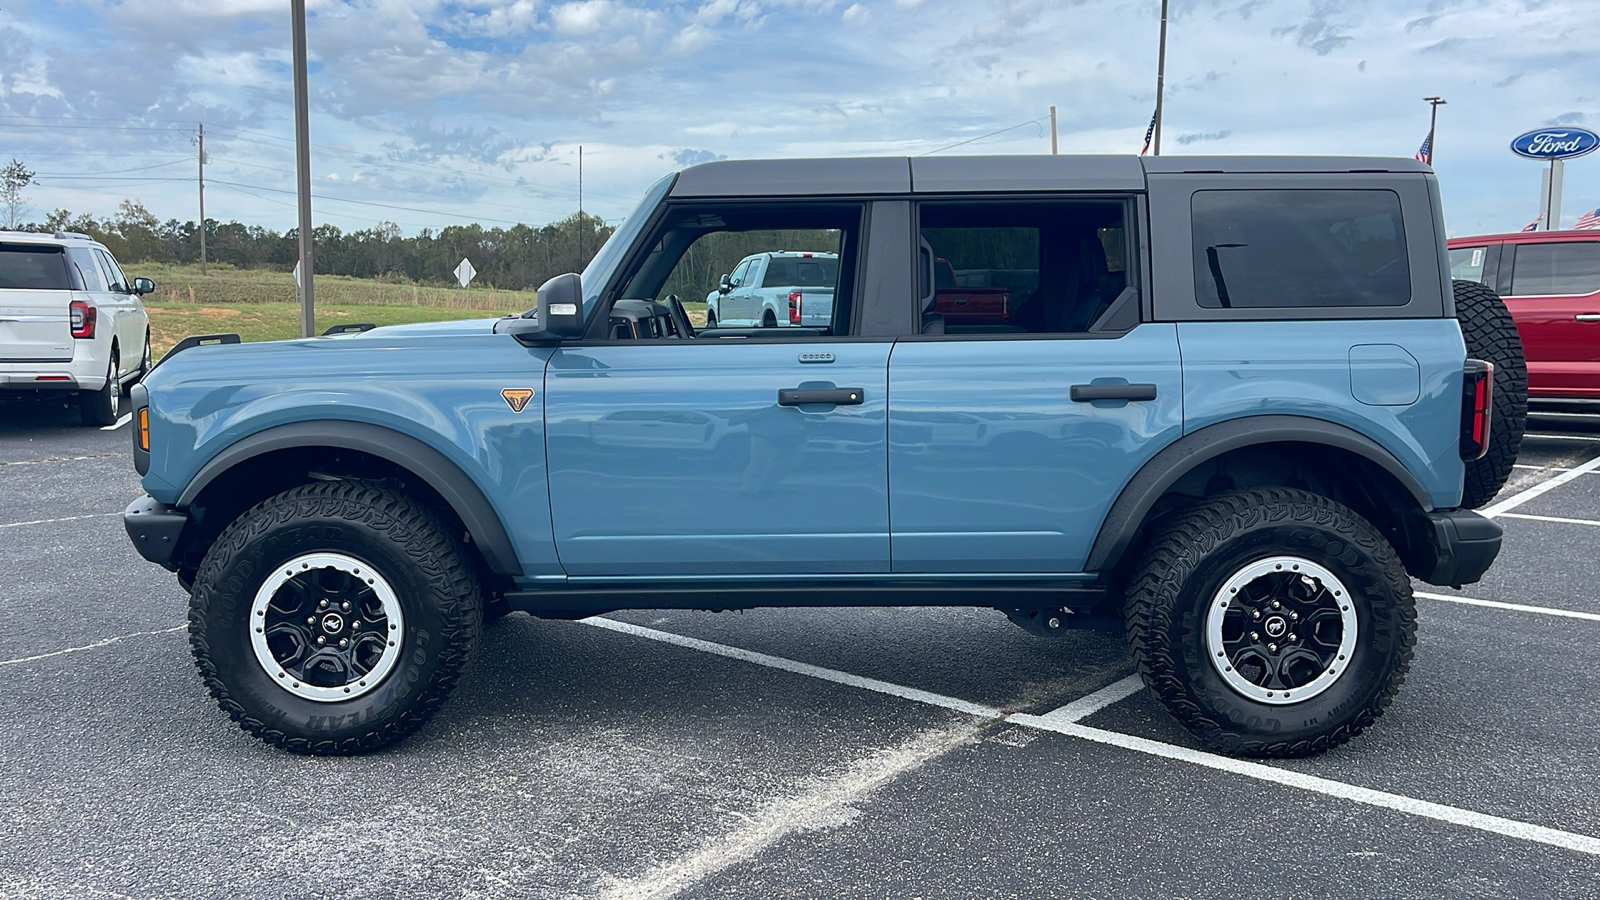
<point>398,539</point>
<point>1184,568</point>
<point>1491,336</point>
<point>103,406</point>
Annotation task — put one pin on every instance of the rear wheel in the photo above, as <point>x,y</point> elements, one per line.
<point>333,618</point>
<point>1491,335</point>
<point>769,320</point>
<point>1271,622</point>
<point>102,407</point>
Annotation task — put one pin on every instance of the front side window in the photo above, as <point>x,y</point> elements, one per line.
<point>115,281</point>
<point>809,249</point>
<point>1264,249</point>
<point>1466,263</point>
<point>1026,267</point>
<point>1555,269</point>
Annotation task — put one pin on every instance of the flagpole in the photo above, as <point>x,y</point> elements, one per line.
<point>1161,75</point>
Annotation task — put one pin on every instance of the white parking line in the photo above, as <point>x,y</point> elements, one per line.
<point>110,640</point>
<point>1467,818</point>
<point>62,519</point>
<point>1084,707</point>
<point>1561,519</point>
<point>1526,831</point>
<point>55,459</point>
<point>1561,437</point>
<point>1515,607</point>
<point>799,668</point>
<point>1521,497</point>
<point>118,423</point>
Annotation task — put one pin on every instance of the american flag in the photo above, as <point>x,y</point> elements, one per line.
<point>1534,225</point>
<point>1425,152</point>
<point>1148,134</point>
<point>1589,220</point>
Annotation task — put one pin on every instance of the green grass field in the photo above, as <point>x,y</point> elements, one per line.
<point>261,305</point>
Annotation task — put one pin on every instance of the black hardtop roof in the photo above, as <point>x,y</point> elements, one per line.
<point>973,174</point>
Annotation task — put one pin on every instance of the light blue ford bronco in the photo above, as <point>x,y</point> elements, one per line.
<point>1233,405</point>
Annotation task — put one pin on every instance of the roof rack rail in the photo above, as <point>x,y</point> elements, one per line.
<point>72,234</point>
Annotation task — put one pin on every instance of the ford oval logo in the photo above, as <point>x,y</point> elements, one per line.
<point>1555,143</point>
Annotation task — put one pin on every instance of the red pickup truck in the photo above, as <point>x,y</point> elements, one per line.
<point>1551,283</point>
<point>967,305</point>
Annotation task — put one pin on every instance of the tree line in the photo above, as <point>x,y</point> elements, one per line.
<point>514,258</point>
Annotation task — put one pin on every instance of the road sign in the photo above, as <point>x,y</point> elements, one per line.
<point>297,276</point>
<point>465,272</point>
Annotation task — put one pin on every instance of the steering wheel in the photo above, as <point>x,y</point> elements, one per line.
<point>680,316</point>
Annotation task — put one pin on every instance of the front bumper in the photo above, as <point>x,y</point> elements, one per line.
<point>1461,545</point>
<point>154,527</point>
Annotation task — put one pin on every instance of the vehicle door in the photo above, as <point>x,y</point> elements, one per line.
<point>762,453</point>
<point>750,299</point>
<point>1555,300</point>
<point>1009,443</point>
<point>36,290</point>
<point>117,304</point>
<point>730,309</point>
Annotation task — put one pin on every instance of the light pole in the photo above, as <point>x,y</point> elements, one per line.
<point>302,157</point>
<point>1433,123</point>
<point>1161,75</point>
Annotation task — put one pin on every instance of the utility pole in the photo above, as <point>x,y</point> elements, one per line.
<point>202,142</point>
<point>1433,124</point>
<point>302,156</point>
<point>1052,131</point>
<point>582,223</point>
<point>1161,75</point>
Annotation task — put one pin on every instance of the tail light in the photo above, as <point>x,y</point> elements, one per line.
<point>1477,407</point>
<point>83,316</point>
<point>794,307</point>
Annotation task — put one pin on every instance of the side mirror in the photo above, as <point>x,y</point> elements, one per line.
<point>724,286</point>
<point>142,286</point>
<point>557,317</point>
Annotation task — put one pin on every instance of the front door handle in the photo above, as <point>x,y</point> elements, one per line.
<point>1085,393</point>
<point>838,396</point>
<point>1588,317</point>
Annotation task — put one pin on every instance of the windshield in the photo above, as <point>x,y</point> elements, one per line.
<point>604,264</point>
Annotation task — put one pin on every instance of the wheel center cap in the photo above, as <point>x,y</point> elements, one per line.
<point>333,623</point>
<point>1276,626</point>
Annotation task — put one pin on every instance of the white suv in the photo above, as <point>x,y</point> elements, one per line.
<point>71,321</point>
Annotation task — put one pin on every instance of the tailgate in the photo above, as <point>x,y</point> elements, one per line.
<point>35,299</point>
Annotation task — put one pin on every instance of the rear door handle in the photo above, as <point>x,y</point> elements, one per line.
<point>1085,393</point>
<point>1588,317</point>
<point>838,396</point>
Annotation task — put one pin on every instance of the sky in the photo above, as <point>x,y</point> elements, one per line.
<point>427,113</point>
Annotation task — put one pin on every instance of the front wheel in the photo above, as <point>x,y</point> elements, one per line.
<point>333,618</point>
<point>1272,622</point>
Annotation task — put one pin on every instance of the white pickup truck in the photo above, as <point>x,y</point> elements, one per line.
<point>773,289</point>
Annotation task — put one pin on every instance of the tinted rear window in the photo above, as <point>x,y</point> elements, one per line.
<point>799,271</point>
<point>35,268</point>
<point>1275,249</point>
<point>1544,269</point>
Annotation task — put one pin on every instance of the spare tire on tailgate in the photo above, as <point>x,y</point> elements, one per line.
<point>1491,336</point>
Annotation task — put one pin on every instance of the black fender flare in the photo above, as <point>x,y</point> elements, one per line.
<point>433,467</point>
<point>1177,459</point>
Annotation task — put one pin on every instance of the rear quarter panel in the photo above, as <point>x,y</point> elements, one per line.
<point>1235,369</point>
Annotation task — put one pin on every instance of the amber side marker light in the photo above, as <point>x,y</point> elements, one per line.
<point>144,429</point>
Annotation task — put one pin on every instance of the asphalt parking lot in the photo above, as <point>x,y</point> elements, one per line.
<point>900,753</point>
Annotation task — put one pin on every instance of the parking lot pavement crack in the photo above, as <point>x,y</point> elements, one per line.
<point>826,803</point>
<point>93,646</point>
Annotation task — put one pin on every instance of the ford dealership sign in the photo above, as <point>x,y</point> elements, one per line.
<point>1555,143</point>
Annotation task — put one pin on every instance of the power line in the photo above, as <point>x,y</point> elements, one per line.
<point>430,212</point>
<point>982,136</point>
<point>112,171</point>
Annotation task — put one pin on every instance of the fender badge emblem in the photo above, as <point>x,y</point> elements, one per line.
<point>517,398</point>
